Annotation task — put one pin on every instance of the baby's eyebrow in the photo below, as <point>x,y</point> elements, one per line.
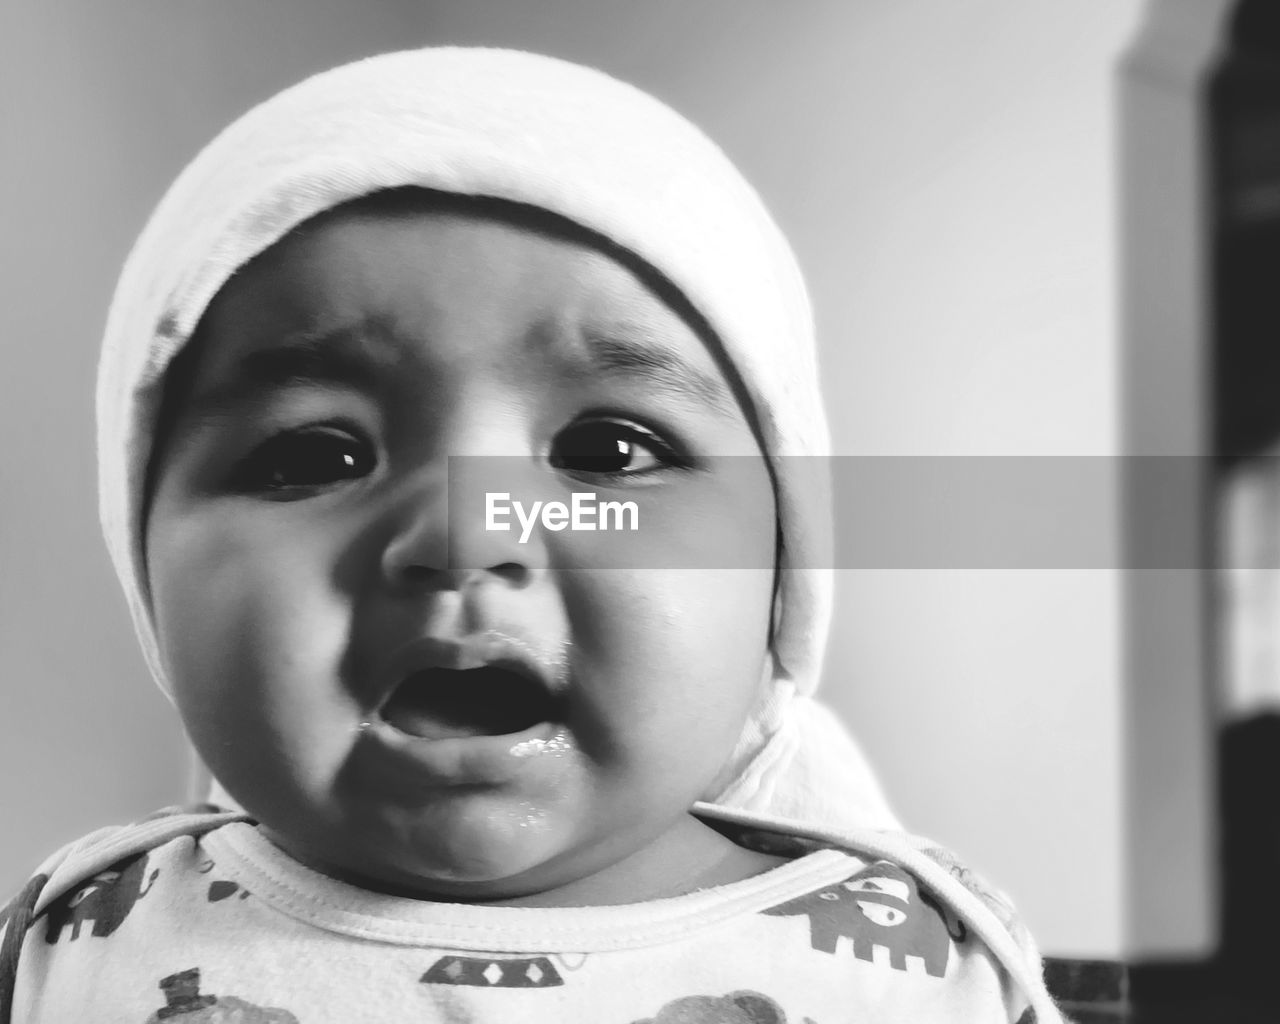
<point>632,352</point>
<point>350,356</point>
<point>358,356</point>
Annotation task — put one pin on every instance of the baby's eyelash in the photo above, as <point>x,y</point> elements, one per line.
<point>304,460</point>
<point>610,446</point>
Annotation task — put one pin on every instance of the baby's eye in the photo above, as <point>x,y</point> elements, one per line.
<point>310,458</point>
<point>610,447</point>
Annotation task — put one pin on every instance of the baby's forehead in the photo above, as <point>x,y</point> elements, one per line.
<point>367,263</point>
<point>386,282</point>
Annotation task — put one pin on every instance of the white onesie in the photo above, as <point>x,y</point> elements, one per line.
<point>216,924</point>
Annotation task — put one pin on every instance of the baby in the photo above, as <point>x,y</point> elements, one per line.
<point>567,771</point>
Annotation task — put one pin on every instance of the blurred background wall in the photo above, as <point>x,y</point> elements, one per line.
<point>946,175</point>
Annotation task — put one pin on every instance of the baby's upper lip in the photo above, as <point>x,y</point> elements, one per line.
<point>489,649</point>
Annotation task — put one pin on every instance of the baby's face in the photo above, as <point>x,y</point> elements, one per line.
<point>403,696</point>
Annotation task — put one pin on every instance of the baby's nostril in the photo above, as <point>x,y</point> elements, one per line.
<point>513,572</point>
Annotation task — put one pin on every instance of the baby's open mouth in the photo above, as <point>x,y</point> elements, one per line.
<point>444,703</point>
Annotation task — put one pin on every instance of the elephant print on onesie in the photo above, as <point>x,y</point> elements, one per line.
<point>879,906</point>
<point>220,889</point>
<point>105,900</point>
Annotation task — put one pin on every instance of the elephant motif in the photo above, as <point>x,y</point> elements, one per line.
<point>743,1007</point>
<point>220,889</point>
<point>185,1005</point>
<point>106,900</point>
<point>879,906</point>
<point>21,905</point>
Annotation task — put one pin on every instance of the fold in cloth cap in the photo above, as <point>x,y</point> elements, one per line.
<point>542,132</point>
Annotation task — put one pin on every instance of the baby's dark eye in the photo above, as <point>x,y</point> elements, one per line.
<point>611,447</point>
<point>311,458</point>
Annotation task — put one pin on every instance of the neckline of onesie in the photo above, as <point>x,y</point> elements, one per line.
<point>313,898</point>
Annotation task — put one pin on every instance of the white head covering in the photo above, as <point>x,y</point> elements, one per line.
<point>546,133</point>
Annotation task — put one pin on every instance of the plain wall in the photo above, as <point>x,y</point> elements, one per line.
<point>101,104</point>
<point>946,175</point>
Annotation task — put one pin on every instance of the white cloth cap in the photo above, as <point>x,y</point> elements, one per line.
<point>547,133</point>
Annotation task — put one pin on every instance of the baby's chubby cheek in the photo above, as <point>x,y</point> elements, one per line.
<point>671,659</point>
<point>253,646</point>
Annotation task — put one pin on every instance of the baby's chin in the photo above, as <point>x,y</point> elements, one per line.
<point>484,850</point>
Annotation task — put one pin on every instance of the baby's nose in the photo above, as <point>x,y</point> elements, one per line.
<point>457,526</point>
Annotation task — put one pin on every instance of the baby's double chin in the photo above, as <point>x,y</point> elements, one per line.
<point>488,847</point>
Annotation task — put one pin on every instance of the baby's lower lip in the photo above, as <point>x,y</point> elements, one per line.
<point>465,760</point>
